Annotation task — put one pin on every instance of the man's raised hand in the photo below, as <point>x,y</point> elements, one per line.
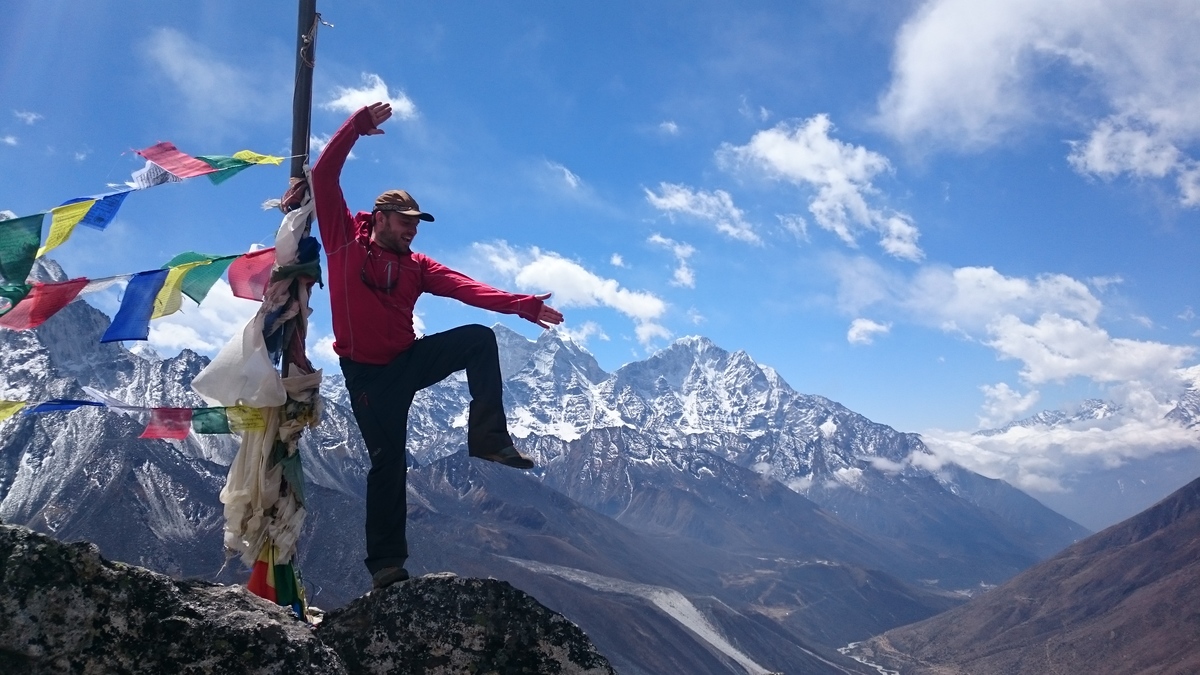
<point>548,316</point>
<point>380,112</point>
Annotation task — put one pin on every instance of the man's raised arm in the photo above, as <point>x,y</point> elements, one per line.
<point>333,215</point>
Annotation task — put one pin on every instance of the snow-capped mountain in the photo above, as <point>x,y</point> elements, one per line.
<point>1090,410</point>
<point>696,470</point>
<point>1114,492</point>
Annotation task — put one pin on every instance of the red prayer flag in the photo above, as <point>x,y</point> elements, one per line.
<point>168,423</point>
<point>250,274</point>
<point>170,158</point>
<point>42,303</point>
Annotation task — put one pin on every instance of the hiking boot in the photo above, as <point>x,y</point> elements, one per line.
<point>509,456</point>
<point>388,576</point>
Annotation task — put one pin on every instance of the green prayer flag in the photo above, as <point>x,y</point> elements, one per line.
<point>11,294</point>
<point>210,421</point>
<point>293,472</point>
<point>286,591</point>
<point>226,167</point>
<point>199,280</point>
<point>19,242</point>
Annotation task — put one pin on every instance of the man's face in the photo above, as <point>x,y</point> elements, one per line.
<point>394,231</point>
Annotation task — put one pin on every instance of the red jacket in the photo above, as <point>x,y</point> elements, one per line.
<point>373,319</point>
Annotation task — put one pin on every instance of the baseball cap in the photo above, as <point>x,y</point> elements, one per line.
<point>401,202</point>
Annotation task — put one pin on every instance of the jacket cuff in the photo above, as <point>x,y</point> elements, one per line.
<point>362,121</point>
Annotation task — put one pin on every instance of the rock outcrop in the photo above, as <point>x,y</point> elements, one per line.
<point>442,623</point>
<point>65,609</point>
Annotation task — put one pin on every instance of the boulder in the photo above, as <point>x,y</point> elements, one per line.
<point>442,624</point>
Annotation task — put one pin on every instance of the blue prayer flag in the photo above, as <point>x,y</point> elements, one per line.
<point>103,211</point>
<point>59,404</point>
<point>132,321</point>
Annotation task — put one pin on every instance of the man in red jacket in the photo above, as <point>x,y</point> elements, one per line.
<point>374,280</point>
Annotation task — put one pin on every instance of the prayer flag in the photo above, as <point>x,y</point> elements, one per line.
<point>19,239</point>
<point>255,158</point>
<point>245,418</point>
<point>274,581</point>
<point>224,167</point>
<point>63,220</point>
<point>104,209</point>
<point>97,285</point>
<point>250,274</point>
<point>168,423</point>
<point>60,404</point>
<point>167,156</point>
<point>210,421</point>
<point>169,298</point>
<point>132,321</point>
<point>199,281</point>
<point>10,408</point>
<point>42,303</point>
<point>151,175</point>
<point>11,294</point>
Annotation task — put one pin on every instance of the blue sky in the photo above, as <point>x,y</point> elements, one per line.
<point>944,214</point>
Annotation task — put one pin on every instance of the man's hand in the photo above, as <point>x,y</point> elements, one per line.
<point>548,316</point>
<point>380,112</point>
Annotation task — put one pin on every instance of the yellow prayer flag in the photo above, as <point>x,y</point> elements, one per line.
<point>255,158</point>
<point>10,408</point>
<point>63,222</point>
<point>243,418</point>
<point>169,298</point>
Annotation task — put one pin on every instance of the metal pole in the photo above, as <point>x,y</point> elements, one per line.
<point>306,36</point>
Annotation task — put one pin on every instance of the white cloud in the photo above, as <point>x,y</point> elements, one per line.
<point>373,89</point>
<point>27,117</point>
<point>794,224</point>
<point>213,91</point>
<point>616,260</point>
<point>840,173</point>
<point>669,128</point>
<point>1002,404</point>
<point>1048,324</point>
<point>80,156</point>
<point>1056,348</point>
<point>863,331</point>
<point>204,328</point>
<point>1102,283</point>
<point>321,351</point>
<point>683,276</point>
<point>1111,150</point>
<point>715,207</point>
<point>760,114</point>
<point>569,177</point>
<point>971,298</point>
<point>584,332</point>
<point>1036,458</point>
<point>537,271</point>
<point>8,140</point>
<point>317,143</point>
<point>968,72</point>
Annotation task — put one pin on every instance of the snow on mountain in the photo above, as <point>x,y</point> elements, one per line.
<point>1090,410</point>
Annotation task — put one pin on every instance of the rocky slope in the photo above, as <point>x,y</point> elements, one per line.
<point>1121,601</point>
<point>65,609</point>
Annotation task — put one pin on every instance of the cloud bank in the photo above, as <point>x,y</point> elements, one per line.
<point>967,73</point>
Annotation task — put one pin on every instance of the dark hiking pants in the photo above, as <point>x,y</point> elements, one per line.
<point>381,396</point>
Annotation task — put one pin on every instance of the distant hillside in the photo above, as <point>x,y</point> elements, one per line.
<point>1126,600</point>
